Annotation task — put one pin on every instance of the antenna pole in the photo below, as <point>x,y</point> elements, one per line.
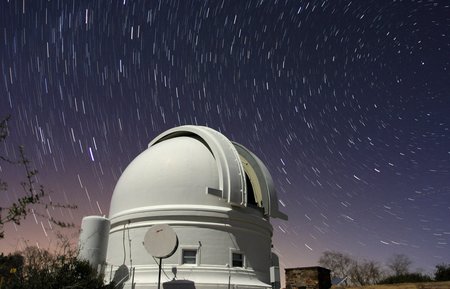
<point>159,273</point>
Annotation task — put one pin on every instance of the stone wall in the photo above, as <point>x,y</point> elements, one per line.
<point>308,278</point>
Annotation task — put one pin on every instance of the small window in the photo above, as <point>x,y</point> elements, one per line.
<point>189,257</point>
<point>238,260</point>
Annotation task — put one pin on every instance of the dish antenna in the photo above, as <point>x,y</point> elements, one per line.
<point>161,242</point>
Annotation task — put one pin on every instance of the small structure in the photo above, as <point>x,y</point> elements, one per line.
<point>308,278</point>
<point>94,241</point>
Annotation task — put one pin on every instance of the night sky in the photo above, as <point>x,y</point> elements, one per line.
<point>347,103</point>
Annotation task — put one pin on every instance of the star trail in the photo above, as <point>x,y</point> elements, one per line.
<point>347,103</point>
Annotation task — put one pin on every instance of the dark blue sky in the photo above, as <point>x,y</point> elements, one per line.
<point>347,102</point>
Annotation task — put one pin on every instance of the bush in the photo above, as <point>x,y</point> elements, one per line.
<point>36,268</point>
<point>442,272</point>
<point>10,270</point>
<point>406,278</point>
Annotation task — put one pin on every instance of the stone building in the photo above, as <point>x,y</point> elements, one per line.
<point>308,278</point>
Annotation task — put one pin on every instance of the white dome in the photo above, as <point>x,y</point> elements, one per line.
<point>215,194</point>
<point>192,165</point>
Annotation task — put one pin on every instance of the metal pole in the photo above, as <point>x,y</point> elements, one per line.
<point>159,273</point>
<point>132,279</point>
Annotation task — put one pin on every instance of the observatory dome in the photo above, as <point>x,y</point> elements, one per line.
<point>215,194</point>
<point>193,165</point>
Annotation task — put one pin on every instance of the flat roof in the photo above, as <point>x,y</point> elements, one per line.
<point>307,268</point>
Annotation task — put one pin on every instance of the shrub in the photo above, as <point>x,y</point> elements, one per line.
<point>406,278</point>
<point>36,268</point>
<point>442,272</point>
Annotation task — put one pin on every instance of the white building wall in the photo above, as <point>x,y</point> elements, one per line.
<point>215,235</point>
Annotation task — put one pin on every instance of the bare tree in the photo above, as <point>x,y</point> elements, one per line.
<point>339,263</point>
<point>33,193</point>
<point>399,264</point>
<point>365,272</point>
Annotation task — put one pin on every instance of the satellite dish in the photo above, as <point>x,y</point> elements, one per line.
<point>161,241</point>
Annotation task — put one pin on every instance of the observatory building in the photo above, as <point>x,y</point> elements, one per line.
<point>216,195</point>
